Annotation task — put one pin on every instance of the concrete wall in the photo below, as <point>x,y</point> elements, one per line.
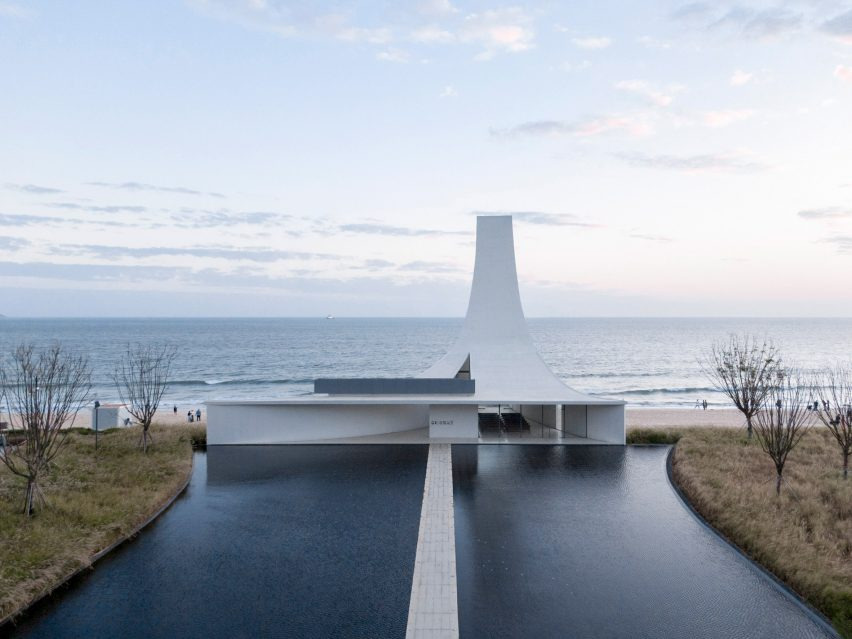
<point>460,421</point>
<point>287,423</point>
<point>574,420</point>
<point>538,414</point>
<point>606,423</point>
<point>109,417</point>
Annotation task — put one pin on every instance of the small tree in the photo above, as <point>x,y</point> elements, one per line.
<point>141,379</point>
<point>744,369</point>
<point>43,392</point>
<point>782,421</point>
<point>833,388</point>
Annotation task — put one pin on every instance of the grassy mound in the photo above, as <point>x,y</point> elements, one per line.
<point>93,501</point>
<point>804,537</point>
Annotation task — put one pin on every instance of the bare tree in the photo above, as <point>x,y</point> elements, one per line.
<point>782,421</point>
<point>833,388</point>
<point>744,369</point>
<point>43,392</point>
<point>141,379</point>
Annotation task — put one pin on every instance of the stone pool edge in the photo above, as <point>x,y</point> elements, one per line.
<point>776,581</point>
<point>8,622</point>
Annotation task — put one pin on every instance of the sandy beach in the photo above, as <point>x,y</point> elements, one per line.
<point>683,417</point>
<point>84,418</point>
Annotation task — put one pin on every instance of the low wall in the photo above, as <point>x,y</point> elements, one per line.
<point>248,423</point>
<point>606,424</point>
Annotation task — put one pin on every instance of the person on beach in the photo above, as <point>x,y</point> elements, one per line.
<point>704,404</point>
<point>175,409</point>
<point>697,403</point>
<point>189,416</point>
<point>198,414</point>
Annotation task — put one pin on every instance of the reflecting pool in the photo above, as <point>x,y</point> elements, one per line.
<point>275,541</point>
<point>591,541</point>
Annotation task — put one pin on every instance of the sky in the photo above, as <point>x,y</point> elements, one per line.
<point>276,158</point>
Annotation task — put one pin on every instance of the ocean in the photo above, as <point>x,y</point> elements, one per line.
<point>649,362</point>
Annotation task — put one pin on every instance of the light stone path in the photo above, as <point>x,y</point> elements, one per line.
<point>433,611</point>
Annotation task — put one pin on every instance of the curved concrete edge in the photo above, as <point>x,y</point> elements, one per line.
<point>780,585</point>
<point>9,619</point>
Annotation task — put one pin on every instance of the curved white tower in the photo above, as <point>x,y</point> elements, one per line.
<point>503,360</point>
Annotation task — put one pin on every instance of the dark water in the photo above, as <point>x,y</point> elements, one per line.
<point>320,541</point>
<point>303,541</point>
<point>646,361</point>
<point>591,541</point>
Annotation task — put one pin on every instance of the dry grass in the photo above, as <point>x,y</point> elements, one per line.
<point>804,537</point>
<point>653,435</point>
<point>93,501</point>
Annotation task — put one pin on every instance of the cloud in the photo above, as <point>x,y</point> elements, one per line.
<point>725,117</point>
<point>572,67</point>
<point>539,218</point>
<point>205,218</point>
<point>437,8</point>
<point>252,254</point>
<point>842,72</point>
<point>12,243</point>
<point>643,89</point>
<point>10,10</point>
<point>392,55</point>
<point>432,34</point>
<point>33,188</point>
<point>44,220</point>
<point>398,231</point>
<point>73,206</point>
<point>653,43</point>
<point>768,22</point>
<point>740,78</point>
<point>633,125</point>
<point>593,42</point>
<point>429,267</point>
<point>377,264</point>
<point>692,11</point>
<point>650,238</point>
<point>96,272</point>
<point>826,213</point>
<point>448,92</point>
<point>709,162</point>
<point>141,186</point>
<point>507,30</point>
<point>842,243</point>
<point>839,26</point>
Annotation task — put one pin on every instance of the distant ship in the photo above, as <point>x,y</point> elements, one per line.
<point>329,317</point>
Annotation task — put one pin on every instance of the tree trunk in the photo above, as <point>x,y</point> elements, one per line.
<point>145,440</point>
<point>778,484</point>
<point>748,425</point>
<point>30,498</point>
<point>845,464</point>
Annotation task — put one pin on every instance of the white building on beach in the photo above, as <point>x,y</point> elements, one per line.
<point>491,386</point>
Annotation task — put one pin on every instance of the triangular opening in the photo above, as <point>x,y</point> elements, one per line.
<point>464,371</point>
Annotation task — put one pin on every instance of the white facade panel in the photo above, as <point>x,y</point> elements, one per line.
<point>246,423</point>
<point>454,421</point>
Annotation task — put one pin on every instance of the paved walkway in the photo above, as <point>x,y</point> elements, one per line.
<point>433,611</point>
